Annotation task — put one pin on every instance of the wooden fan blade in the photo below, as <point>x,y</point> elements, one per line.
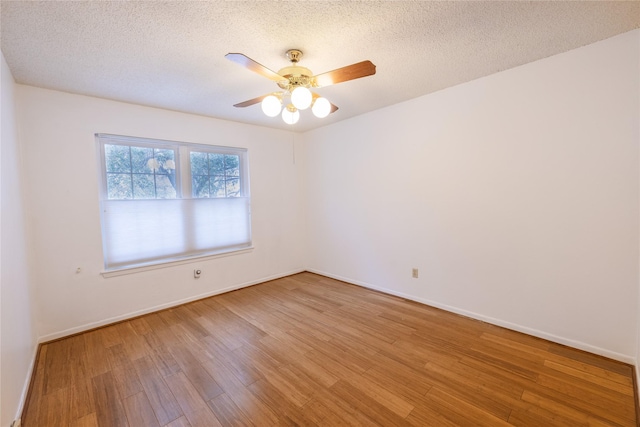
<point>252,65</point>
<point>252,101</point>
<point>344,74</point>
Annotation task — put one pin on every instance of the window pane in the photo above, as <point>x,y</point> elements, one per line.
<point>169,166</point>
<point>140,157</point>
<point>143,186</point>
<point>217,186</point>
<point>233,187</point>
<point>117,158</point>
<point>232,165</point>
<point>216,164</point>
<point>165,187</point>
<point>200,186</point>
<point>166,160</point>
<point>119,186</point>
<point>199,164</point>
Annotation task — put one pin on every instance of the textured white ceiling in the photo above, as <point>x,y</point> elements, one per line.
<point>171,54</point>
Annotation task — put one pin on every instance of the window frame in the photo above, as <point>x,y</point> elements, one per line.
<point>183,177</point>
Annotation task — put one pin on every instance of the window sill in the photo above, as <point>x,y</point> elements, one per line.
<point>171,263</point>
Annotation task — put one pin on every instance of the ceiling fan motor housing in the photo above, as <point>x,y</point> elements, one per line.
<point>294,74</point>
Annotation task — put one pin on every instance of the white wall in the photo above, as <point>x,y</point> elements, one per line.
<point>516,195</point>
<point>62,170</point>
<point>17,314</point>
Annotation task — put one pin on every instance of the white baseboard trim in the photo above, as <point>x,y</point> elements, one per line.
<point>27,383</point>
<point>637,372</point>
<point>498,322</point>
<point>122,317</point>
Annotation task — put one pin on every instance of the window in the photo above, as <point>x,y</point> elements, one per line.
<point>163,201</point>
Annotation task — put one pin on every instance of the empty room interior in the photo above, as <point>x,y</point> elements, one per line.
<point>319,213</point>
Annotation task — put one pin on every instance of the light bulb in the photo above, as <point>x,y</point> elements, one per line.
<point>271,106</point>
<point>321,108</point>
<point>301,98</point>
<point>290,115</point>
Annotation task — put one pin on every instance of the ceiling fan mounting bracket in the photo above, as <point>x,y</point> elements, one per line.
<point>294,55</point>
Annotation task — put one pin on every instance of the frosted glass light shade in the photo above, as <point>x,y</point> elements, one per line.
<point>321,108</point>
<point>290,117</point>
<point>271,106</point>
<point>301,98</point>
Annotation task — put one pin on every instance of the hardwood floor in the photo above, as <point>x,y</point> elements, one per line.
<point>307,350</point>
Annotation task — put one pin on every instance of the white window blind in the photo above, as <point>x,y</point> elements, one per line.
<point>146,218</point>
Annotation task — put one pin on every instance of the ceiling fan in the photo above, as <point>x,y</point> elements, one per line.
<point>295,82</point>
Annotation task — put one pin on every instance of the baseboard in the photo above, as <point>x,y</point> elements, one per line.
<point>26,388</point>
<point>89,326</point>
<point>498,322</point>
<point>636,373</point>
<point>636,389</point>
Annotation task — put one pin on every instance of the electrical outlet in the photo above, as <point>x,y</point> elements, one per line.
<point>196,273</point>
<point>414,273</point>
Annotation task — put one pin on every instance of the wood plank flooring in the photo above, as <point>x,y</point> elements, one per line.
<point>311,351</point>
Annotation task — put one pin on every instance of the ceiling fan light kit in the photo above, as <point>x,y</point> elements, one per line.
<point>290,115</point>
<point>295,82</point>
<point>271,105</point>
<point>301,98</point>
<point>321,108</point>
